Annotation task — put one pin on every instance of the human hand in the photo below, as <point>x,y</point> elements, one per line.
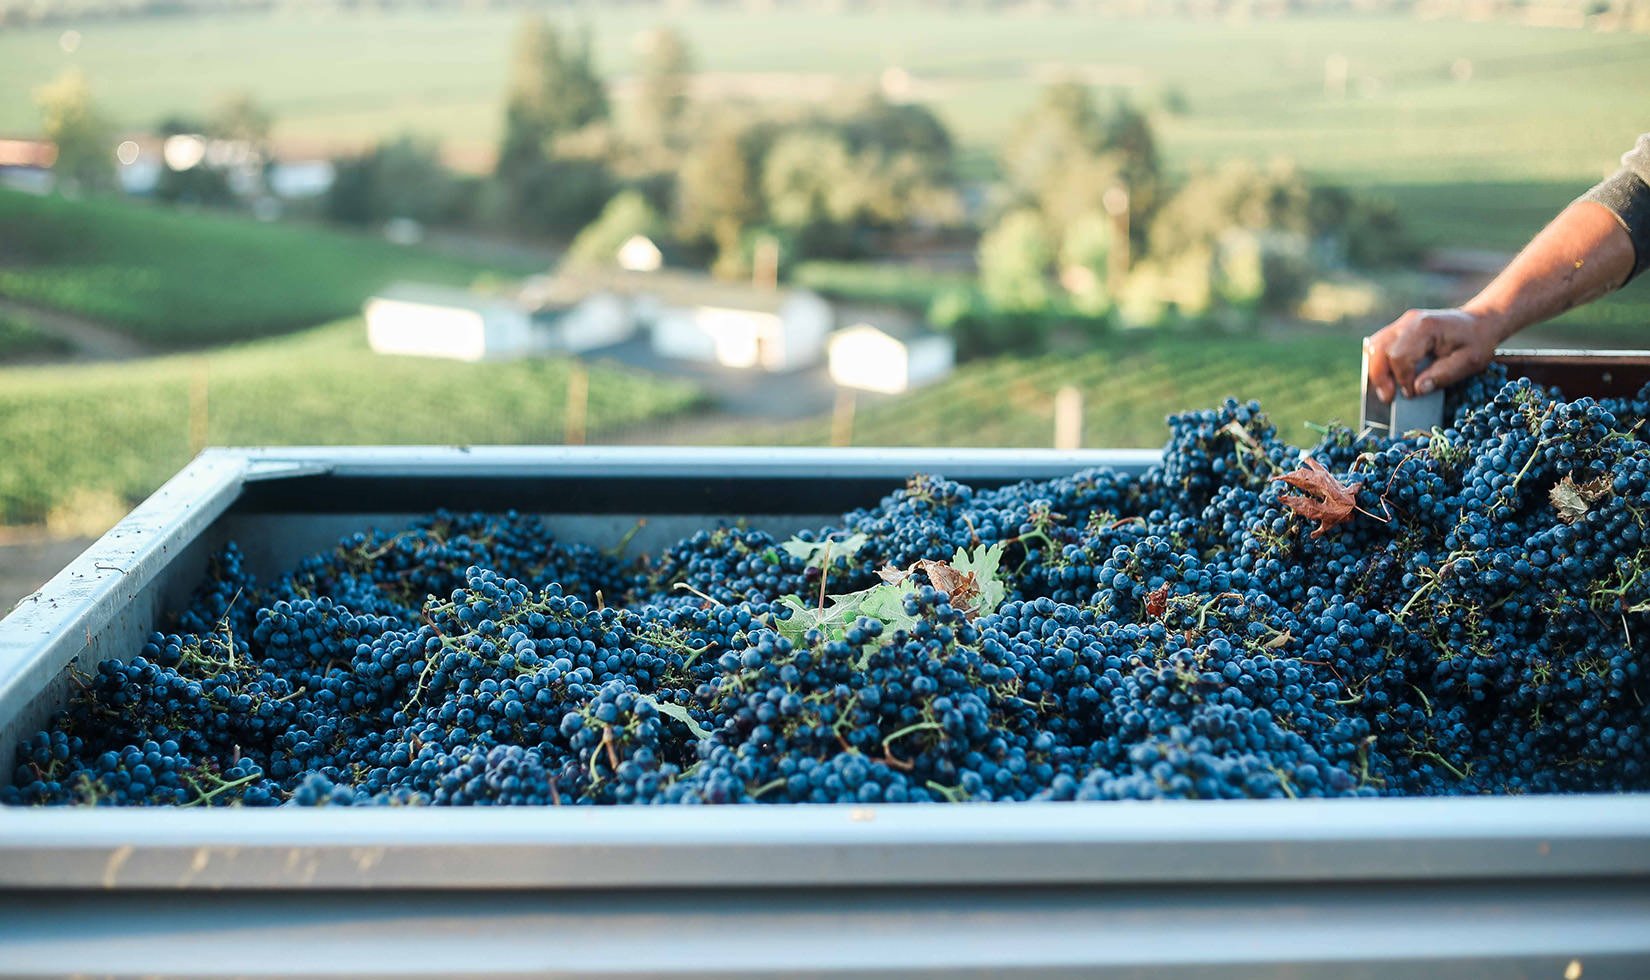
<point>1460,344</point>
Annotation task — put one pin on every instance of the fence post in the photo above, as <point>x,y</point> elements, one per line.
<point>842,418</point>
<point>1068,418</point>
<point>199,389</point>
<point>578,404</point>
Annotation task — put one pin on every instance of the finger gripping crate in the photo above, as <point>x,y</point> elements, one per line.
<point>1532,886</point>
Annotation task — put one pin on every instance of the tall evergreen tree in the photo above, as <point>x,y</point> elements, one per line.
<point>554,89</point>
<point>666,71</point>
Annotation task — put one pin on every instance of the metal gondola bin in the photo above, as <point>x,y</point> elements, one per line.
<point>1525,886</point>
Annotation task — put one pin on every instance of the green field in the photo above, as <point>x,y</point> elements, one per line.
<point>123,428</point>
<point>1480,162</point>
<point>182,278</point>
<point>1539,104</point>
<point>1130,383</point>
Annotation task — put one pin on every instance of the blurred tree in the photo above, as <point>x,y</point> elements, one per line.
<point>559,196</point>
<point>1061,128</point>
<point>400,178</point>
<point>241,120</point>
<point>814,190</point>
<point>1067,152</point>
<point>1239,195</point>
<point>199,185</point>
<point>84,137</point>
<point>1240,270</point>
<point>1085,259</point>
<point>874,123</point>
<point>239,116</point>
<point>716,193</point>
<point>554,89</point>
<point>1126,135</point>
<point>662,95</point>
<point>1014,263</point>
<point>628,214</point>
<point>1267,233</point>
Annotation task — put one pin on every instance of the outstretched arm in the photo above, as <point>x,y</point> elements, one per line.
<point>1594,246</point>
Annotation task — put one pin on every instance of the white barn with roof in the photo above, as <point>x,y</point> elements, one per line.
<point>442,321</point>
<point>891,357</point>
<point>576,320</point>
<point>693,317</point>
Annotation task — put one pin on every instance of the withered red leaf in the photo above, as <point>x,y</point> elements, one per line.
<point>1157,603</point>
<point>1327,501</point>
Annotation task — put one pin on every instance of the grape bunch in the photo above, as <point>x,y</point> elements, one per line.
<point>1460,611</point>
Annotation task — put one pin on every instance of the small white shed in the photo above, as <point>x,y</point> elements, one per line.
<point>440,321</point>
<point>640,254</point>
<point>890,358</point>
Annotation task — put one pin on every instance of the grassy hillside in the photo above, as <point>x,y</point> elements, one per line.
<point>1478,131</point>
<point>1535,103</point>
<point>123,428</point>
<point>186,278</point>
<point>1129,384</point>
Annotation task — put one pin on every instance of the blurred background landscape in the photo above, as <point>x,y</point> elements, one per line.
<point>817,223</point>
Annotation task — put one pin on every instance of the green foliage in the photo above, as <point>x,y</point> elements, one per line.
<point>403,178</point>
<point>1085,262</point>
<point>558,196</point>
<point>984,564</point>
<point>1240,269</point>
<point>72,119</point>
<point>124,428</point>
<point>1268,232</point>
<point>183,279</point>
<point>819,554</point>
<point>973,580</point>
<point>810,187</point>
<point>1014,263</point>
<point>628,214</point>
<point>717,194</point>
<point>1068,152</point>
<point>554,89</point>
<point>902,129</point>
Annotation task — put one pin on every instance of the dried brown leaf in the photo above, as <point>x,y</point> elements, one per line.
<point>1327,500</point>
<point>892,575</point>
<point>960,586</point>
<point>1573,500</point>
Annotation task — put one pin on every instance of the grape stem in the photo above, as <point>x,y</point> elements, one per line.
<point>708,598</point>
<point>203,796</point>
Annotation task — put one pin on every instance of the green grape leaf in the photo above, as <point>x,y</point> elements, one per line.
<point>679,713</point>
<point>815,554</point>
<point>984,564</point>
<point>887,604</point>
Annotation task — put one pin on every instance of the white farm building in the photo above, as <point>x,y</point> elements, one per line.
<point>575,320</point>
<point>695,318</point>
<point>441,321</point>
<point>891,357</point>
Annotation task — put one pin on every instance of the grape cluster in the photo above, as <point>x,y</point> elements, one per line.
<point>1472,620</point>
